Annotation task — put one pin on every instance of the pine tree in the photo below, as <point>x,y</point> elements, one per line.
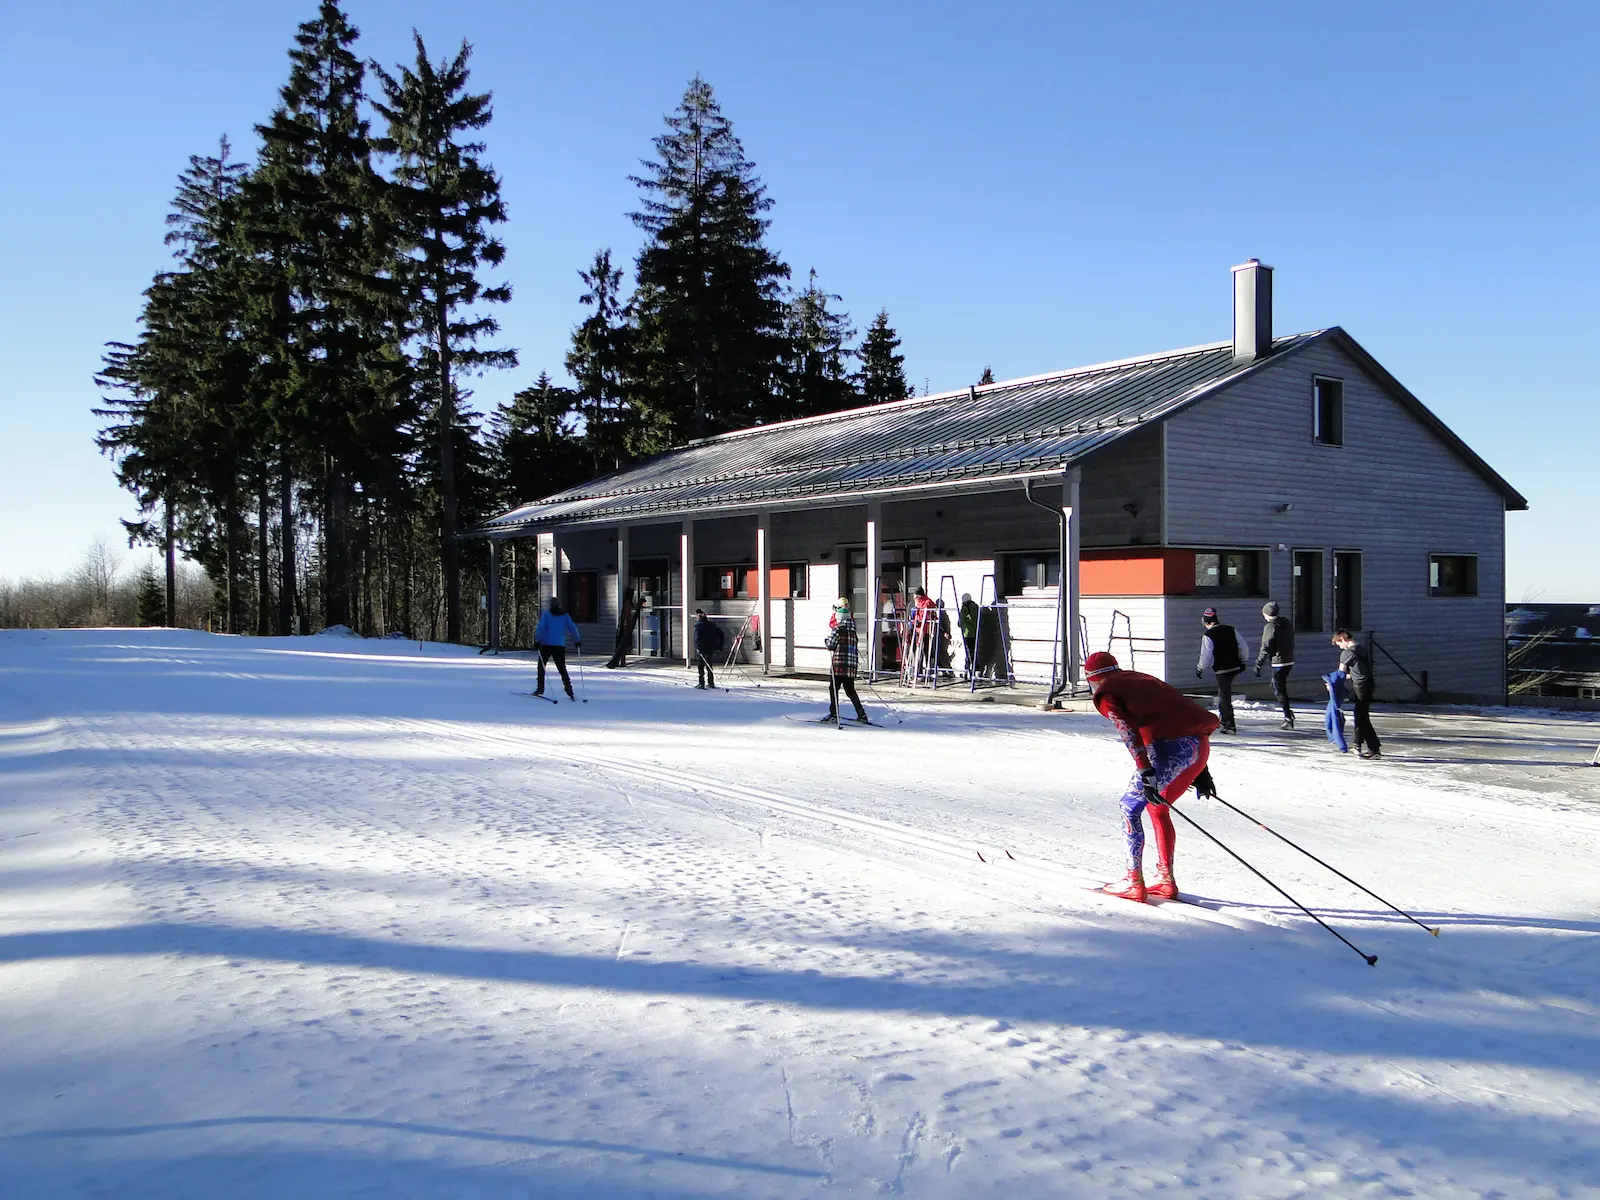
<point>816,380</point>
<point>598,361</point>
<point>882,376</point>
<point>178,397</point>
<point>986,378</point>
<point>447,199</point>
<point>709,308</point>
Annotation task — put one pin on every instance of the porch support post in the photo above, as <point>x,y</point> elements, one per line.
<point>1071,525</point>
<point>686,573</point>
<point>623,579</point>
<point>494,595</point>
<point>764,585</point>
<point>874,601</point>
<point>549,569</point>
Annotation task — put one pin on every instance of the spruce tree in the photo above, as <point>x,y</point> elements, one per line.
<point>446,200</point>
<point>598,362</point>
<point>709,305</point>
<point>150,606</point>
<point>535,443</point>
<point>882,376</point>
<point>315,218</point>
<point>986,378</point>
<point>816,379</point>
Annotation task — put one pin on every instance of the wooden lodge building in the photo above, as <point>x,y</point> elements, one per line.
<point>1102,507</point>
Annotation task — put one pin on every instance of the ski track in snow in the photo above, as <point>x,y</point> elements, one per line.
<point>334,918</point>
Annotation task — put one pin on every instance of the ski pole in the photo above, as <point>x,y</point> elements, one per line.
<point>887,707</point>
<point>1334,869</point>
<point>1370,959</point>
<point>583,681</point>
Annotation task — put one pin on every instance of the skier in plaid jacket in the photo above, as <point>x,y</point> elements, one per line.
<point>845,648</point>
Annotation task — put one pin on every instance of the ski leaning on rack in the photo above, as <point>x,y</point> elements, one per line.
<point>537,696</point>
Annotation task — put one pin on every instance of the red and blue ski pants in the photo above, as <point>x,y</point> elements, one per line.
<point>1176,764</point>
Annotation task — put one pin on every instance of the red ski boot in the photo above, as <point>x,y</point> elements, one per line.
<point>1165,887</point>
<point>1131,887</point>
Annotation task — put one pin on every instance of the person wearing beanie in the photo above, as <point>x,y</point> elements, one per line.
<point>1223,652</point>
<point>1168,736</point>
<point>845,649</point>
<point>1277,647</point>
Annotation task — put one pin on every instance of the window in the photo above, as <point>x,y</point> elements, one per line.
<point>1452,574</point>
<point>581,590</point>
<point>1328,411</point>
<point>1228,572</point>
<point>1308,590</point>
<point>1347,589</point>
<point>1025,572</point>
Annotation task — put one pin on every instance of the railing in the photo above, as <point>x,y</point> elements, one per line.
<point>1373,644</point>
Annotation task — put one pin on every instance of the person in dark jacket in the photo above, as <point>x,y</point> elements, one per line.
<point>1224,652</point>
<point>1277,647</point>
<point>1357,673</point>
<point>1168,735</point>
<point>845,654</point>
<point>967,620</point>
<point>707,647</point>
<point>551,635</point>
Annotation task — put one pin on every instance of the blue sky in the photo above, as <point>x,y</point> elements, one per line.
<point>1030,187</point>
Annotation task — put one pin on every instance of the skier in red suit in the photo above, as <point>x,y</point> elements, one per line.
<point>1169,737</point>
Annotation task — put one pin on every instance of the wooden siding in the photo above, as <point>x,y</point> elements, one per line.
<point>1126,475</point>
<point>1393,491</point>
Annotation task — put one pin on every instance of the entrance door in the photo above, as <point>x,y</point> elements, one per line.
<point>899,572</point>
<point>652,636</point>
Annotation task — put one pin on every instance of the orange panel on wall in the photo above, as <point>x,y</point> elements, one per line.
<point>1136,572</point>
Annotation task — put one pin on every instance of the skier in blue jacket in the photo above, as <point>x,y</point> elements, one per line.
<point>551,635</point>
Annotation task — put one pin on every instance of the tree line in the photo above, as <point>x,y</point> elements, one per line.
<point>292,414</point>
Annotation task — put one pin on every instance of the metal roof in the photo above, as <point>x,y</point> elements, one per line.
<point>1007,431</point>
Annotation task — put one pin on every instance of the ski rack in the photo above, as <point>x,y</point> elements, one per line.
<point>988,587</point>
<point>749,627</point>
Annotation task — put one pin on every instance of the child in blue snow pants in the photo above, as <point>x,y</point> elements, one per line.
<point>1176,764</point>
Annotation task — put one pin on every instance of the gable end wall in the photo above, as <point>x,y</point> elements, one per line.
<point>1393,491</point>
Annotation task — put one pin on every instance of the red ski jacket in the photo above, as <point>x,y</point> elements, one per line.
<point>1145,710</point>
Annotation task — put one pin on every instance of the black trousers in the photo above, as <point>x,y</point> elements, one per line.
<point>559,653</point>
<point>1366,735</point>
<point>707,679</point>
<point>1225,697</point>
<point>1280,689</point>
<point>847,685</point>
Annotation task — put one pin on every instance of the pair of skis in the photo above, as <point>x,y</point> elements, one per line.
<point>542,696</point>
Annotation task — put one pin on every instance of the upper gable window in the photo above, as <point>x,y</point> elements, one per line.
<point>1328,411</point>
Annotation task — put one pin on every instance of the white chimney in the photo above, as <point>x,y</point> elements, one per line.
<point>1252,311</point>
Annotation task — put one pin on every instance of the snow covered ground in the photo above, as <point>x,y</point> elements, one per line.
<point>326,917</point>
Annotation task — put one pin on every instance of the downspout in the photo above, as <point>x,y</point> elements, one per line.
<point>1058,675</point>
